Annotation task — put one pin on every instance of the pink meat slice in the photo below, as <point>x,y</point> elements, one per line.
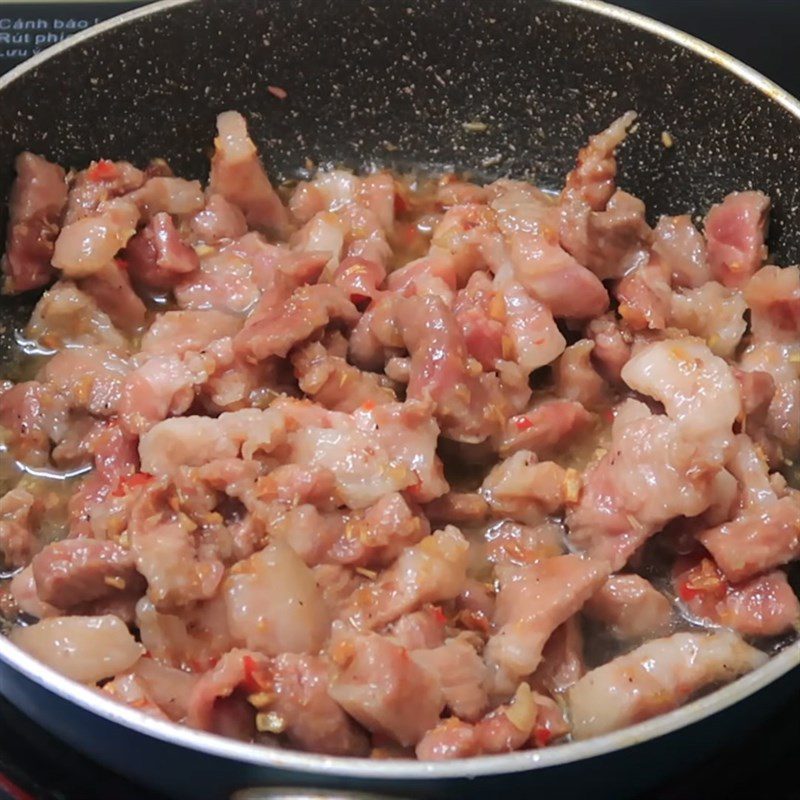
<point>384,689</point>
<point>654,678</point>
<point>554,277</point>
<point>611,242</point>
<point>101,181</point>
<point>20,512</point>
<point>546,428</point>
<point>617,510</point>
<point>431,571</point>
<point>681,248</point>
<point>766,535</point>
<point>593,179</point>
<point>578,380</point>
<point>76,571</point>
<point>462,676</point>
<point>157,257</point>
<point>630,607</point>
<point>313,720</point>
<point>469,403</point>
<point>279,323</point>
<point>532,602</point>
<point>36,205</point>
<point>238,175</point>
<point>334,383</point>
<point>764,605</point>
<point>735,230</point>
<point>529,719</point>
<point>87,245</point>
<point>110,287</point>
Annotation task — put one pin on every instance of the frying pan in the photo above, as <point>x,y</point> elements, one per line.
<point>392,83</point>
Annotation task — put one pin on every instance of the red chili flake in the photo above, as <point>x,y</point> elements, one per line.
<point>542,736</point>
<point>704,579</point>
<point>254,679</point>
<point>401,203</point>
<point>438,614</point>
<point>121,263</point>
<point>686,592</point>
<point>411,234</point>
<point>368,405</point>
<point>131,482</point>
<point>523,423</point>
<point>473,620</point>
<point>414,491</point>
<point>608,415</point>
<point>278,91</point>
<point>103,170</point>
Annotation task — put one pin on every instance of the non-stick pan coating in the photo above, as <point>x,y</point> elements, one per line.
<point>361,74</point>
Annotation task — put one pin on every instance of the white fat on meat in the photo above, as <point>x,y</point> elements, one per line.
<point>86,649</point>
<point>274,604</point>
<point>697,388</point>
<point>656,677</point>
<point>532,602</point>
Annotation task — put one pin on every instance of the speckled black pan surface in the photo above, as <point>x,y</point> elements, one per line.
<point>366,77</point>
<point>363,74</point>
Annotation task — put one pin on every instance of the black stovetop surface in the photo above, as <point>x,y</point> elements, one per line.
<point>764,764</point>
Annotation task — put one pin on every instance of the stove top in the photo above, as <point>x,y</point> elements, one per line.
<point>35,766</point>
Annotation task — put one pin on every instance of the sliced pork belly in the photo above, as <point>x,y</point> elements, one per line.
<point>764,605</point>
<point>697,388</point>
<point>532,602</point>
<point>629,607</point>
<point>618,508</point>
<point>36,205</point>
<point>86,649</point>
<point>238,175</point>
<point>654,678</point>
<point>386,690</point>
<point>431,571</point>
<point>735,230</point>
<point>764,536</point>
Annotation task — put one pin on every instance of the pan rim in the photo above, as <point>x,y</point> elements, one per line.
<point>92,701</point>
<point>409,771</point>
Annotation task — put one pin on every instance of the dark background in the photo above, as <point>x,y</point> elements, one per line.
<point>763,34</point>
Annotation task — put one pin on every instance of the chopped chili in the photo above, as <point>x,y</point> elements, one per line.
<point>102,170</point>
<point>358,299</point>
<point>254,678</point>
<point>278,91</point>
<point>401,203</point>
<point>439,615</point>
<point>126,484</point>
<point>542,736</point>
<point>704,579</point>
